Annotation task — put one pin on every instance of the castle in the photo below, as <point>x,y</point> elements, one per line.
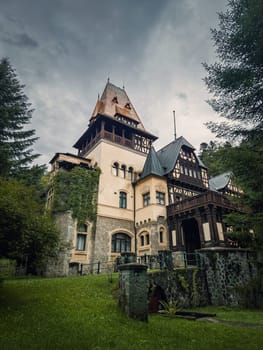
<point>147,201</point>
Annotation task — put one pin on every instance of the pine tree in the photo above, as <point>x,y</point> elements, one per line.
<point>16,153</point>
<point>236,82</point>
<point>236,78</point>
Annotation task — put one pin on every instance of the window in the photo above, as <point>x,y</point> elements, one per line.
<point>130,173</point>
<point>142,240</point>
<point>161,236</point>
<point>146,199</point>
<point>115,169</point>
<point>160,198</point>
<point>147,238</point>
<point>81,241</point>
<point>122,171</point>
<point>120,242</point>
<point>123,200</point>
<point>81,237</point>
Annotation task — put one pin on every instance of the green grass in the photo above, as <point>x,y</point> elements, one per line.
<point>80,313</point>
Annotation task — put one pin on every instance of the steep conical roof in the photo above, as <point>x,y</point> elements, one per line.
<point>115,100</point>
<point>152,165</point>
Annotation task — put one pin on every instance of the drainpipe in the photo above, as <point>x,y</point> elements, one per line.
<point>134,220</point>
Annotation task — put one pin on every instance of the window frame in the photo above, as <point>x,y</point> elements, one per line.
<point>119,241</point>
<point>160,197</point>
<point>122,200</point>
<point>146,199</point>
<point>81,245</point>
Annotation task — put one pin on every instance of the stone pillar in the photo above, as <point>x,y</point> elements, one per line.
<point>133,291</point>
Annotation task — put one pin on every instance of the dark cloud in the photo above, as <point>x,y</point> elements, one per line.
<point>182,95</point>
<point>21,40</point>
<point>64,51</point>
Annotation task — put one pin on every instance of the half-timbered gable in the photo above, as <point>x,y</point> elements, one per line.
<point>186,174</point>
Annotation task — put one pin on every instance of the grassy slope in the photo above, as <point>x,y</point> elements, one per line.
<point>79,313</point>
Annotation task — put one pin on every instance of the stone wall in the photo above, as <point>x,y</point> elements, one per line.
<point>59,266</point>
<point>219,279</point>
<point>102,238</point>
<point>186,287</point>
<point>226,272</point>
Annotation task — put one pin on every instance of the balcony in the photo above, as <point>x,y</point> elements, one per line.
<point>208,198</point>
<point>103,134</point>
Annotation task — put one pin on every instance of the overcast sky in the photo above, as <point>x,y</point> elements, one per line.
<point>64,51</point>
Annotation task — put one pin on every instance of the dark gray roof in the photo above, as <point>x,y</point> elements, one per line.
<point>219,182</point>
<point>168,154</point>
<point>200,162</point>
<point>152,165</point>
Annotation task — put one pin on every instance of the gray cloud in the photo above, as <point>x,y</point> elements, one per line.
<point>21,40</point>
<point>64,51</point>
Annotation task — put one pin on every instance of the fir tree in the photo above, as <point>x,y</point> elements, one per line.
<point>236,82</point>
<point>16,153</point>
<point>236,79</point>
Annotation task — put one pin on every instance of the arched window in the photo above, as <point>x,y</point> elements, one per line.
<point>147,238</point>
<point>122,171</point>
<point>161,236</point>
<point>115,169</point>
<point>120,242</point>
<point>130,173</point>
<point>123,200</point>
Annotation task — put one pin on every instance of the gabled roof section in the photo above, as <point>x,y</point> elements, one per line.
<point>115,100</point>
<point>152,165</point>
<point>219,182</point>
<point>168,154</point>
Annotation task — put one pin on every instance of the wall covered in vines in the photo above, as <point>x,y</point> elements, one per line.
<point>76,190</point>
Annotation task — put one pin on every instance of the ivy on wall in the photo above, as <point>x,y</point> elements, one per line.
<point>76,190</point>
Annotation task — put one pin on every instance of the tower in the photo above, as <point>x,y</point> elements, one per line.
<point>117,142</point>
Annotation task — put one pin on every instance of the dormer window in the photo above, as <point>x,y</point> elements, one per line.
<point>115,100</point>
<point>128,105</point>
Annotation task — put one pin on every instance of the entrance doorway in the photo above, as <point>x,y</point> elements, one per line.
<point>191,239</point>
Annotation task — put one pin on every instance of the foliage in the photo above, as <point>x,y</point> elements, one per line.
<point>26,233</point>
<point>246,163</point>
<point>251,294</point>
<point>213,156</point>
<point>76,190</point>
<point>42,313</point>
<point>183,282</point>
<point>236,79</point>
<point>236,84</point>
<point>195,294</point>
<point>169,308</point>
<point>15,113</point>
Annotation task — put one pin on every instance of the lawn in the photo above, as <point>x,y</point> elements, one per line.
<point>80,313</point>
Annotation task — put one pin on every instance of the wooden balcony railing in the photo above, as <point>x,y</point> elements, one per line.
<point>108,136</point>
<point>204,199</point>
